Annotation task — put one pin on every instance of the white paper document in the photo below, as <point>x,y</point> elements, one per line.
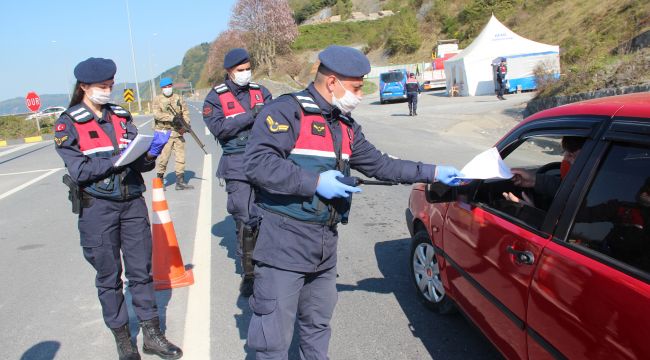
<point>138,146</point>
<point>486,165</point>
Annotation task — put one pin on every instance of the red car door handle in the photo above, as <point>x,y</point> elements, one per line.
<point>522,257</point>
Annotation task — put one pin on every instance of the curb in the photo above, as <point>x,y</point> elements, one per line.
<point>26,140</point>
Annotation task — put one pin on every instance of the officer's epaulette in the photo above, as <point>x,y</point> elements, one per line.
<point>307,103</point>
<point>79,113</point>
<point>253,85</point>
<point>119,111</point>
<point>221,88</point>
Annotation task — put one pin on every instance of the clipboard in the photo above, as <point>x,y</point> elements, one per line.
<point>138,146</point>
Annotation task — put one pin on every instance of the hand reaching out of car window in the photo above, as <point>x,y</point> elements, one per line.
<point>525,200</point>
<point>523,178</point>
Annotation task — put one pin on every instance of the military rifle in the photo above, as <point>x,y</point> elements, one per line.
<point>178,119</point>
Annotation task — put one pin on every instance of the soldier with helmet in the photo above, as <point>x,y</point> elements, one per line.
<point>167,107</point>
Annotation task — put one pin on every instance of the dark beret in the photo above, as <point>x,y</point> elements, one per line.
<point>345,61</point>
<point>95,70</point>
<point>235,57</point>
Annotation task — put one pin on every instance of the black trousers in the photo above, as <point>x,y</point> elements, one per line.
<point>112,231</point>
<point>412,99</point>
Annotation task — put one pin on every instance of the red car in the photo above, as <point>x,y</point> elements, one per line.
<point>560,270</point>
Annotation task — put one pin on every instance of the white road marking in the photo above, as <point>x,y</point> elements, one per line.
<point>145,123</point>
<point>207,131</point>
<point>18,148</point>
<point>21,187</point>
<point>196,344</point>
<point>30,171</point>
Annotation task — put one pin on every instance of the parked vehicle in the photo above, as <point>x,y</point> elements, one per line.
<point>434,75</point>
<point>566,276</point>
<point>392,85</point>
<point>52,113</point>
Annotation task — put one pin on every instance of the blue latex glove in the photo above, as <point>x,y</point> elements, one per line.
<point>160,138</point>
<point>328,187</point>
<point>445,174</point>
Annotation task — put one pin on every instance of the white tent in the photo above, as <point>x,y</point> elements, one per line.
<point>471,70</point>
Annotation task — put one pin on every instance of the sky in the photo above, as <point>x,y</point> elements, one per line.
<point>41,41</point>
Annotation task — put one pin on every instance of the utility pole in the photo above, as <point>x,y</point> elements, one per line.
<point>135,71</point>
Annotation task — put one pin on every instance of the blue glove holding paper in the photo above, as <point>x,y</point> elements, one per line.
<point>160,138</point>
<point>329,187</point>
<point>446,174</point>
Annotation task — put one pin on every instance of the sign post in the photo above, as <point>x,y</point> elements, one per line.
<point>128,97</point>
<point>33,102</point>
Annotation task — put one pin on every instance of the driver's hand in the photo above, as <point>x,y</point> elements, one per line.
<point>523,178</point>
<point>525,200</point>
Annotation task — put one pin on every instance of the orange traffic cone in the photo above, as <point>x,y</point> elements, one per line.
<point>168,269</point>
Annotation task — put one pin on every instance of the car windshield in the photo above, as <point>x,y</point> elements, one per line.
<point>392,77</point>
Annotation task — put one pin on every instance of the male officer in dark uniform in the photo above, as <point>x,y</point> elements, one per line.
<point>299,146</point>
<point>412,92</point>
<point>501,72</point>
<point>229,111</point>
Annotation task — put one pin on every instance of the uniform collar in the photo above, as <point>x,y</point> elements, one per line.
<point>234,88</point>
<point>328,111</point>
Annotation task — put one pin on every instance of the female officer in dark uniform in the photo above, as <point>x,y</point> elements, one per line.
<point>113,216</point>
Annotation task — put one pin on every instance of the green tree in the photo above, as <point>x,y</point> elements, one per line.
<point>404,34</point>
<point>344,8</point>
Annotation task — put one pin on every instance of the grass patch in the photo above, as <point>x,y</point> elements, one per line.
<point>369,87</point>
<point>16,127</point>
<point>317,37</point>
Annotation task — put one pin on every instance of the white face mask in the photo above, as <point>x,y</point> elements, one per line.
<point>242,78</point>
<point>100,97</point>
<point>348,102</point>
<point>167,91</point>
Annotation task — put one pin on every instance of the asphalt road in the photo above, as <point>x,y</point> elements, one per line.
<point>48,303</point>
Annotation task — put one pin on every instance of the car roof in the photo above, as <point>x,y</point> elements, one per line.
<point>630,105</point>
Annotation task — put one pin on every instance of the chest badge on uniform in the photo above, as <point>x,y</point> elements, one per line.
<point>60,140</point>
<point>231,105</point>
<point>123,125</point>
<point>93,134</point>
<point>274,127</point>
<point>318,128</point>
<point>257,97</point>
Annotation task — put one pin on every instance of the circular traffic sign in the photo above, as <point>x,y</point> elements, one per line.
<point>33,101</point>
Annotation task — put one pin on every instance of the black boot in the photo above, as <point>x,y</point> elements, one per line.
<point>161,176</point>
<point>125,348</point>
<point>181,184</point>
<point>155,342</point>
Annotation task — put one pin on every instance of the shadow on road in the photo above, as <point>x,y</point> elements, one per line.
<point>444,336</point>
<point>170,178</point>
<point>44,350</point>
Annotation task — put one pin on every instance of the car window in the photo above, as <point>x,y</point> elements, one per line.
<point>541,157</point>
<point>392,77</point>
<point>614,218</point>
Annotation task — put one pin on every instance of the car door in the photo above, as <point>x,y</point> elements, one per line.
<point>494,244</point>
<point>590,297</point>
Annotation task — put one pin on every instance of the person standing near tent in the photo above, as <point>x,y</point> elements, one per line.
<point>412,92</point>
<point>501,72</point>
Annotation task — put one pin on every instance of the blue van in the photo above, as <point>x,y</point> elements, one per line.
<point>392,85</point>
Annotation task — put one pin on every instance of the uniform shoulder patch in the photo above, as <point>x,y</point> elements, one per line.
<point>60,140</point>
<point>60,127</point>
<point>207,110</point>
<point>274,126</point>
